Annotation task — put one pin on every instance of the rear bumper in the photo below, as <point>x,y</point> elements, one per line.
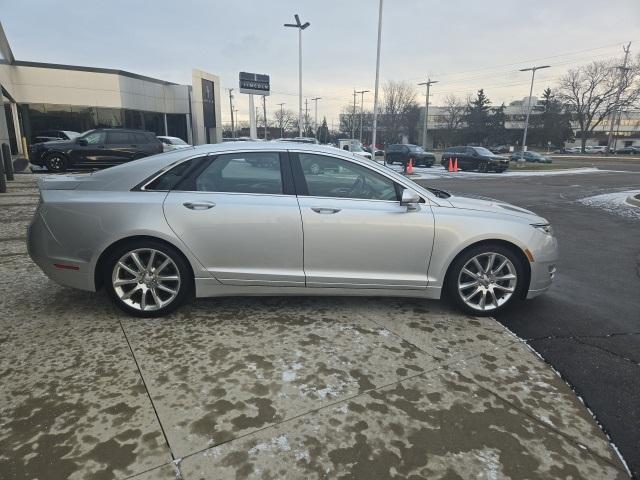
<point>45,251</point>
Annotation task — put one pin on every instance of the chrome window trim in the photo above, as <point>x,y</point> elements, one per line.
<point>362,163</point>
<point>206,154</point>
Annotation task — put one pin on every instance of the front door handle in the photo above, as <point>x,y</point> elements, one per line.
<point>326,211</point>
<point>199,205</point>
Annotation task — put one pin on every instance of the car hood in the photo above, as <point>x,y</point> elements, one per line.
<point>484,204</point>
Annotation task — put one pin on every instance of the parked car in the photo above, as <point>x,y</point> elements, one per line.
<point>596,149</point>
<point>573,150</point>
<point>630,150</point>
<point>172,143</point>
<point>353,146</point>
<point>218,226</point>
<point>98,148</point>
<point>49,135</point>
<point>402,153</point>
<point>475,158</point>
<point>500,149</point>
<point>530,156</point>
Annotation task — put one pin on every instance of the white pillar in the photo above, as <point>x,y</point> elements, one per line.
<point>16,126</point>
<point>253,131</point>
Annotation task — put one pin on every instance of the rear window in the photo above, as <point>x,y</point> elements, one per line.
<point>170,179</point>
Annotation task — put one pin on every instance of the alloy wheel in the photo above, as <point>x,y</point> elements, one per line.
<point>56,163</point>
<point>487,281</point>
<point>146,279</point>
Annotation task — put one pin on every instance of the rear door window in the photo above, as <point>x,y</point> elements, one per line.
<point>253,172</point>
<point>118,138</point>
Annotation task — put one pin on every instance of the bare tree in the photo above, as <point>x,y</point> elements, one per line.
<point>287,120</point>
<point>398,104</point>
<point>591,93</point>
<point>453,118</point>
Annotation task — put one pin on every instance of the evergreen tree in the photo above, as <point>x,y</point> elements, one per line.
<point>497,132</point>
<point>555,122</point>
<point>323,131</point>
<point>477,119</point>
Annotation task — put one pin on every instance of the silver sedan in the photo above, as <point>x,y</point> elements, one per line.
<point>282,219</point>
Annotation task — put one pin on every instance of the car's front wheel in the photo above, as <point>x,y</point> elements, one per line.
<point>147,278</point>
<point>485,280</point>
<point>56,162</point>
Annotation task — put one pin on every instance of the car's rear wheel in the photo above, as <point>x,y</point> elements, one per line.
<point>56,162</point>
<point>147,278</point>
<point>485,280</point>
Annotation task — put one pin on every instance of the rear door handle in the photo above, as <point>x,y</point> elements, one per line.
<point>325,211</point>
<point>199,205</point>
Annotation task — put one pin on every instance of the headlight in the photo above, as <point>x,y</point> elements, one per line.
<point>545,227</point>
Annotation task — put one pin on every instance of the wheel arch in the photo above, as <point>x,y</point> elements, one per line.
<point>504,243</point>
<point>99,270</point>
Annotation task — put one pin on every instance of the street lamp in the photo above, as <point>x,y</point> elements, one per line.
<point>362,92</point>
<point>428,83</point>
<point>300,26</point>
<point>375,95</point>
<point>526,120</point>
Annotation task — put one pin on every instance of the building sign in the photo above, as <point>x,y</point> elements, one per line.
<point>254,83</point>
<point>208,104</point>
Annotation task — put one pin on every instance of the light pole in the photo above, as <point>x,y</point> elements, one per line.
<point>428,83</point>
<point>235,110</point>
<point>316,114</point>
<point>375,95</point>
<point>300,26</point>
<point>281,119</point>
<point>362,92</point>
<point>353,116</point>
<point>233,130</point>
<point>526,120</point>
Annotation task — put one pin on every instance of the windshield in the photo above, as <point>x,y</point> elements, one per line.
<point>415,148</point>
<point>483,151</point>
<point>356,148</point>
<point>177,141</point>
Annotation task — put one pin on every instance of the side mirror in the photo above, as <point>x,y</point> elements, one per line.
<point>82,142</point>
<point>410,199</point>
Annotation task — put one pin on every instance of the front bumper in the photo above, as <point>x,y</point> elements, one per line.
<point>542,276</point>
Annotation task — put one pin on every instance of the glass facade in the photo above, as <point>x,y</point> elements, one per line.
<point>39,117</point>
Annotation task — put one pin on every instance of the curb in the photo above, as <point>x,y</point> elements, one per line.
<point>634,200</point>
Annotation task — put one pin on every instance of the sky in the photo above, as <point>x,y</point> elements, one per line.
<point>464,45</point>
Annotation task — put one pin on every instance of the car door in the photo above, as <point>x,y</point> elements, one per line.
<point>356,232</point>
<point>240,218</point>
<point>119,147</point>
<point>89,149</point>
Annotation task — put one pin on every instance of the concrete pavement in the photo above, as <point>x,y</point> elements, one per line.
<point>272,388</point>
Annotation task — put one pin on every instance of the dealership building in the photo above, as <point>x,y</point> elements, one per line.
<point>39,97</point>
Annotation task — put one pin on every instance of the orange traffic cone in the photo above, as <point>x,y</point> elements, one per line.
<point>450,165</point>
<point>455,164</point>
<point>410,166</point>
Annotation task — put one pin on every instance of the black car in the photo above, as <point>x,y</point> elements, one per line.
<point>50,135</point>
<point>475,158</point>
<point>102,147</point>
<point>402,153</point>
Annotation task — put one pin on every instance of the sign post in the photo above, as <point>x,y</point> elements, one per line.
<point>254,84</point>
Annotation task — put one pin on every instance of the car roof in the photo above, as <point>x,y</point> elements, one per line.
<point>127,175</point>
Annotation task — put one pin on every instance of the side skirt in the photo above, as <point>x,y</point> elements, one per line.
<point>206,287</point>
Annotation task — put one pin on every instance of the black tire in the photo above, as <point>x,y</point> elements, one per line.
<point>451,283</point>
<point>56,162</point>
<point>183,270</point>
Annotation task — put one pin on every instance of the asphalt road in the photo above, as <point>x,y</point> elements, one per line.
<point>588,325</point>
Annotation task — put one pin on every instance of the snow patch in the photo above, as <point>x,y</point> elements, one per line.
<point>279,443</point>
<point>614,202</point>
